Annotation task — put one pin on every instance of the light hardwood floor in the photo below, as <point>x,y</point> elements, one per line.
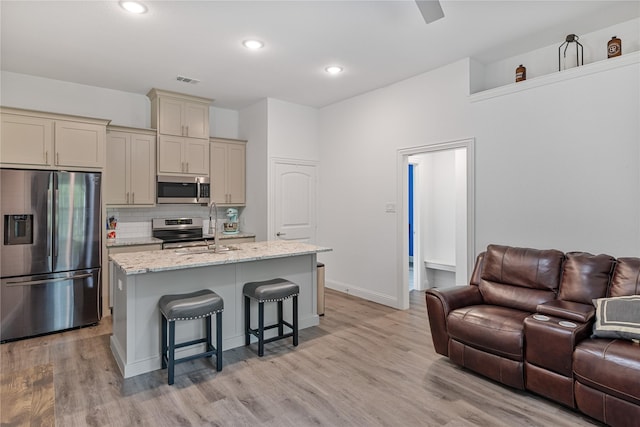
<point>364,365</point>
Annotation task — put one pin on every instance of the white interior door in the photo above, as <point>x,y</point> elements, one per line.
<point>294,201</point>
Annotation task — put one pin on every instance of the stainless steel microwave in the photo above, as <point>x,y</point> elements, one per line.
<point>183,189</point>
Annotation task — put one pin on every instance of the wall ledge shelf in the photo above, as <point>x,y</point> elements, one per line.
<point>439,265</point>
<point>573,73</point>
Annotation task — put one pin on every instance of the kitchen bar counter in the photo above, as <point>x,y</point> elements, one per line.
<point>178,259</point>
<point>132,241</point>
<point>139,280</point>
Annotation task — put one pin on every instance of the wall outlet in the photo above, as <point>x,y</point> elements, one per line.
<point>390,207</point>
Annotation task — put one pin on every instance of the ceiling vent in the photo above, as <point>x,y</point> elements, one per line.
<point>187,80</point>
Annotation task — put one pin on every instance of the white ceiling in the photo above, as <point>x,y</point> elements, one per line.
<point>378,42</point>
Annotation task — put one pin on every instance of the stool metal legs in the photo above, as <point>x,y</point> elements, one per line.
<point>168,347</point>
<point>295,321</point>
<point>259,333</point>
<point>218,340</point>
<point>247,320</point>
<point>261,329</point>
<point>172,351</point>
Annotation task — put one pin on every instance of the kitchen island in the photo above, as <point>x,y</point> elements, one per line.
<point>141,278</point>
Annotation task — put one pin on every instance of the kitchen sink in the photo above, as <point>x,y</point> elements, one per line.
<point>205,250</point>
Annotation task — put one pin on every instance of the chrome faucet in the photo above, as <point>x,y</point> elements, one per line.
<point>213,225</point>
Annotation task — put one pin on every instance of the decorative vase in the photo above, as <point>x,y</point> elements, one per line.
<point>521,73</point>
<point>614,47</point>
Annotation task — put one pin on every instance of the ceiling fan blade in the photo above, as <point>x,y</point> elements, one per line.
<point>430,9</point>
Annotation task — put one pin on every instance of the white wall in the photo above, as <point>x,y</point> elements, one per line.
<point>253,127</point>
<point>438,188</point>
<point>122,108</point>
<point>224,123</point>
<point>359,139</point>
<point>545,60</point>
<point>557,166</point>
<point>56,96</point>
<point>461,256</point>
<point>292,131</point>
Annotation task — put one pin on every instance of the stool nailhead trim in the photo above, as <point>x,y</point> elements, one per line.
<point>193,318</point>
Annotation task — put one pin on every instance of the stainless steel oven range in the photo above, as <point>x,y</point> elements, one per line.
<point>178,232</point>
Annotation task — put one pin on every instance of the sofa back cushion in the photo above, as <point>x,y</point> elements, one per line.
<point>626,278</point>
<point>585,277</point>
<point>520,278</point>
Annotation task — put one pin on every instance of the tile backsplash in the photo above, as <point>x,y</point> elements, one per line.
<point>136,222</point>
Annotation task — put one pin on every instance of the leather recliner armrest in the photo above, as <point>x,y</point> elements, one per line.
<point>440,302</point>
<point>456,297</point>
<point>569,310</point>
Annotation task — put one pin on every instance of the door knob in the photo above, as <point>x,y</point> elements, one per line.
<point>278,234</point>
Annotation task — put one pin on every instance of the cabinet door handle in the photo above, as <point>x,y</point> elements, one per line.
<point>182,130</point>
<point>127,197</point>
<point>57,158</point>
<point>187,131</point>
<point>46,156</point>
<point>133,198</point>
<point>187,167</point>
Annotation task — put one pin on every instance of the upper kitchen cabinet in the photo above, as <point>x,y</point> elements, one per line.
<point>32,139</point>
<point>183,132</point>
<point>183,156</point>
<point>228,168</point>
<point>131,166</point>
<point>179,115</point>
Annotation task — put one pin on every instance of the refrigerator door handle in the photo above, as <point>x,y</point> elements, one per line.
<point>55,229</point>
<point>39,282</point>
<point>49,221</point>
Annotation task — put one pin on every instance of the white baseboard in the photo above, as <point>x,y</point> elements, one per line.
<point>388,300</point>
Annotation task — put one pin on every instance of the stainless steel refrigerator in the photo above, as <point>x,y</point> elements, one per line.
<point>50,251</point>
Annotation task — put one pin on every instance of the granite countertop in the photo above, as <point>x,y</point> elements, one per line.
<point>176,259</point>
<point>133,241</point>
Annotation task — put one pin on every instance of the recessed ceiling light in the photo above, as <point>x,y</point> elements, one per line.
<point>133,6</point>
<point>253,44</point>
<point>334,69</point>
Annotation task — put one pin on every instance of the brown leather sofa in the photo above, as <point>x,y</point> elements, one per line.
<point>526,321</point>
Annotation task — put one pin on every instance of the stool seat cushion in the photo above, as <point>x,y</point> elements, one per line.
<point>271,290</point>
<point>193,305</point>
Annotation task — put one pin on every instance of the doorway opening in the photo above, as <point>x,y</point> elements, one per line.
<point>437,209</point>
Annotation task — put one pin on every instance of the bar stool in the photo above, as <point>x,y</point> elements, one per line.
<point>269,291</point>
<point>194,305</point>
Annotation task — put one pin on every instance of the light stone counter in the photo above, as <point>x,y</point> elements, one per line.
<point>139,279</point>
<point>133,241</point>
<point>178,259</point>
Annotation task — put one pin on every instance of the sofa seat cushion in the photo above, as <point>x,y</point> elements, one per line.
<point>494,329</point>
<point>609,365</point>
